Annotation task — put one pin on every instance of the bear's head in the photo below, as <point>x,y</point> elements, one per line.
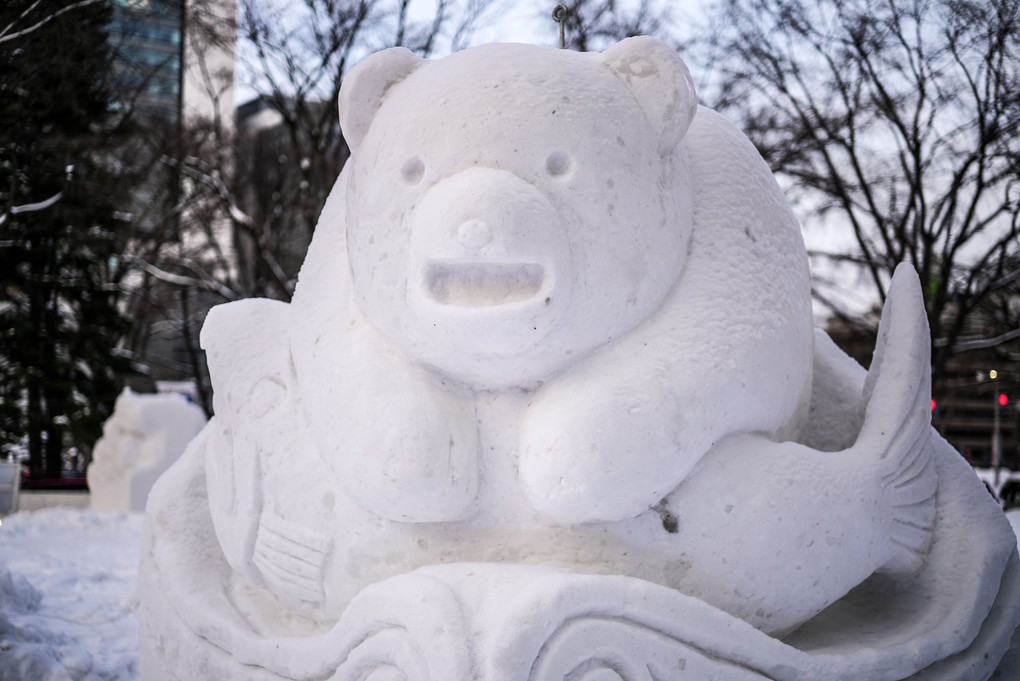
<point>511,207</point>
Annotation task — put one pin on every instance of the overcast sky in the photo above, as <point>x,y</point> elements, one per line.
<point>508,21</point>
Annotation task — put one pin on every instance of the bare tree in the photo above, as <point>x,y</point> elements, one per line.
<point>36,16</point>
<point>896,121</point>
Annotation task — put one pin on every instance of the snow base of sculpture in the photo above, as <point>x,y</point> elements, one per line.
<point>498,622</point>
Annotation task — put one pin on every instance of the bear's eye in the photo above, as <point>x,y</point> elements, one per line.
<point>413,170</point>
<point>559,164</point>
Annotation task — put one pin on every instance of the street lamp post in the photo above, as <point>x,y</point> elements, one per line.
<point>996,440</point>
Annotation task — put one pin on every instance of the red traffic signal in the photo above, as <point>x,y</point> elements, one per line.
<point>1003,399</point>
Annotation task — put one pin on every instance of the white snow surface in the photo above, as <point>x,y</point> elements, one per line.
<point>68,595</point>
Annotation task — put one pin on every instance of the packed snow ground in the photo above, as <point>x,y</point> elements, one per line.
<point>68,595</point>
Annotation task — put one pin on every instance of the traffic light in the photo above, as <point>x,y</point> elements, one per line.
<point>1003,399</point>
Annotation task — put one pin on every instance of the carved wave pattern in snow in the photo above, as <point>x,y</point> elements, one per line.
<point>564,644</point>
<point>630,651</point>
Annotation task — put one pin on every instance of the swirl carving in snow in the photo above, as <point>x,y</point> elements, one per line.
<point>627,651</point>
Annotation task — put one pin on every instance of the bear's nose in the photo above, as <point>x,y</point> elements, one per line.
<point>474,234</point>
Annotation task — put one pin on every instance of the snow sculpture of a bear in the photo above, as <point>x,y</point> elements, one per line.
<point>143,437</point>
<point>548,404</point>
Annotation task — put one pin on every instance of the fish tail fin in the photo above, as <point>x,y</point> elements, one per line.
<point>897,420</point>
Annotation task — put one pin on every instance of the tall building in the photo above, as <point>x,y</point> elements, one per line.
<point>176,57</point>
<point>174,63</point>
<point>147,39</point>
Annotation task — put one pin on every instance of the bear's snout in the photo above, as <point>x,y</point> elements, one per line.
<point>474,234</point>
<point>485,238</point>
<point>487,250</point>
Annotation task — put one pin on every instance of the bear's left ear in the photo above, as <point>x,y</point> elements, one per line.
<point>660,82</point>
<point>364,87</point>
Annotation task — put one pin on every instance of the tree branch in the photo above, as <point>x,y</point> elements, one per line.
<point>5,34</point>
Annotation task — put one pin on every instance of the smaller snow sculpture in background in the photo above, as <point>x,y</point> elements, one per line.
<point>10,484</point>
<point>143,437</point>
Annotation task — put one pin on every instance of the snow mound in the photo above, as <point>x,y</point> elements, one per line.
<point>68,596</point>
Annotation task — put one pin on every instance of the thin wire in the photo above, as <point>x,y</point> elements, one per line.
<point>560,17</point>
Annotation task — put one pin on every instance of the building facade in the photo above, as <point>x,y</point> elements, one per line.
<point>174,62</point>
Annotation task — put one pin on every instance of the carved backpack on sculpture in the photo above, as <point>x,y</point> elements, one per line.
<point>578,314</point>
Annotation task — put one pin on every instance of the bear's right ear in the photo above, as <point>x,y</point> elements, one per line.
<point>364,87</point>
<point>660,82</point>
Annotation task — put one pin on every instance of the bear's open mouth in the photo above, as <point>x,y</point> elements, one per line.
<point>483,284</point>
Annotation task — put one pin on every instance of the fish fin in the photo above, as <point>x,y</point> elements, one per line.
<point>291,558</point>
<point>897,420</point>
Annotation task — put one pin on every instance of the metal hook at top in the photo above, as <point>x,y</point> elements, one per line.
<point>560,17</point>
